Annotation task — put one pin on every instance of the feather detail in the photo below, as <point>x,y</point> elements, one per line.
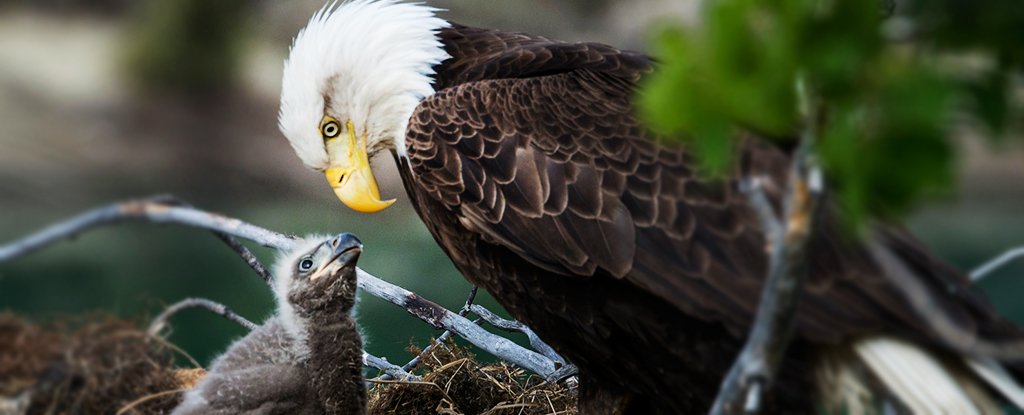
<point>919,381</point>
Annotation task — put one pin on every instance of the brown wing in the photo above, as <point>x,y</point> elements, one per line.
<point>534,146</point>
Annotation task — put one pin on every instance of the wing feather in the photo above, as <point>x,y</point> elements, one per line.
<point>533,145</point>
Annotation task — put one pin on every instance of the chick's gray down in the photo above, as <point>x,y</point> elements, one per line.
<point>307,358</point>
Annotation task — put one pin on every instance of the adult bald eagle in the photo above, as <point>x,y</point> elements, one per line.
<point>524,158</point>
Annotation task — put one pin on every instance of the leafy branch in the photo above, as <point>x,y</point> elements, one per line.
<point>894,90</point>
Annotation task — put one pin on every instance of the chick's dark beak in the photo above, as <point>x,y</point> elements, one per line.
<point>345,250</point>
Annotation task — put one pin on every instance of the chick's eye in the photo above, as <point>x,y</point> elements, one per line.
<point>330,129</point>
<point>305,264</point>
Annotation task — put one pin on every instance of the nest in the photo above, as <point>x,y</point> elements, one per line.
<point>102,365</point>
<point>93,365</point>
<point>455,383</point>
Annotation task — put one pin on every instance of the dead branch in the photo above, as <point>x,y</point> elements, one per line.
<point>755,368</point>
<point>160,322</point>
<point>392,370</point>
<point>998,262</point>
<point>158,210</point>
<point>758,362</point>
<point>515,326</point>
<point>152,210</point>
<point>411,364</point>
<point>441,318</point>
<point>246,255</point>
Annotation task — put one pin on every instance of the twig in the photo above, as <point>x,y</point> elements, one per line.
<point>996,263</point>
<point>392,370</point>
<point>158,211</point>
<point>757,364</point>
<point>753,189</point>
<point>515,326</point>
<point>247,255</point>
<point>147,398</point>
<point>469,301</point>
<point>222,310</point>
<point>232,242</point>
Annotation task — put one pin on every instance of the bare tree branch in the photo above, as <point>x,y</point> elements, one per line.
<point>157,210</point>
<point>160,322</point>
<point>996,263</point>
<point>515,326</point>
<point>392,370</point>
<point>247,255</point>
<point>411,364</point>
<point>755,368</point>
<point>232,242</point>
<point>758,362</point>
<point>441,318</point>
<point>146,210</point>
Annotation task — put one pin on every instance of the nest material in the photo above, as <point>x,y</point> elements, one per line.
<point>93,365</point>
<point>103,365</point>
<point>454,383</point>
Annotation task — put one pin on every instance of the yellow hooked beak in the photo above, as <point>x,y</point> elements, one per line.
<point>350,175</point>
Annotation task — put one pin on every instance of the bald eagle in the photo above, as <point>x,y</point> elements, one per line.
<point>525,159</point>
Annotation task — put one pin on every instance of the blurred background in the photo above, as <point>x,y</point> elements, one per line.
<point>104,100</point>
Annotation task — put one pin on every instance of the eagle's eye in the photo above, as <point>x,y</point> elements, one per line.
<point>305,264</point>
<point>330,129</point>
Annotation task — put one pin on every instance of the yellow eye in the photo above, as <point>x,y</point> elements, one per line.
<point>330,129</point>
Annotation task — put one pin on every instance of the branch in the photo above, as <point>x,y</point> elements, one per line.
<point>755,368</point>
<point>411,364</point>
<point>758,362</point>
<point>219,309</point>
<point>996,263</point>
<point>153,210</point>
<point>392,370</point>
<point>441,318</point>
<point>247,256</point>
<point>157,210</point>
<point>515,326</point>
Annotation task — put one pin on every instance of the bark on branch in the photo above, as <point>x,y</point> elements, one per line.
<point>167,210</point>
<point>755,368</point>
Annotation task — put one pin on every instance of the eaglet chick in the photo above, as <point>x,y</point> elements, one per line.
<point>307,358</point>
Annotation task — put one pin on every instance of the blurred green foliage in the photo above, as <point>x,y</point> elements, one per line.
<point>190,46</point>
<point>893,88</point>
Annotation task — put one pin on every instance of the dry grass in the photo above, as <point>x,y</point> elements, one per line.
<point>89,365</point>
<point>101,365</point>
<point>454,383</point>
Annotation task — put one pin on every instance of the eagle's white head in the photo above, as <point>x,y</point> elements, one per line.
<point>355,75</point>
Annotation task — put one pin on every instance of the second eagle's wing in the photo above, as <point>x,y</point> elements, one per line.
<point>556,168</point>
